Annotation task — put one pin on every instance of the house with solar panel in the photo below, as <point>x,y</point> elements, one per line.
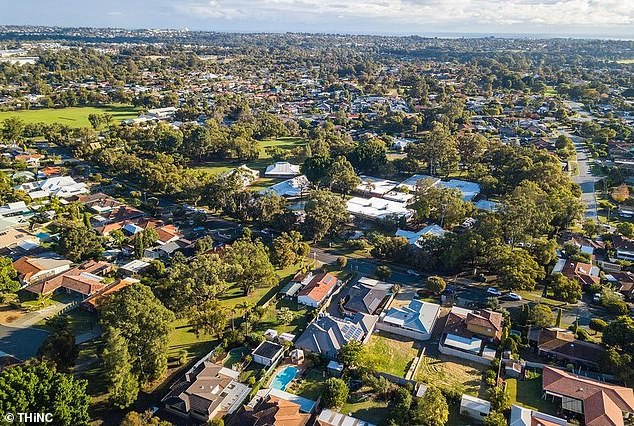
<point>327,334</point>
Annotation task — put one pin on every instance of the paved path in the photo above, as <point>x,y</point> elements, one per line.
<point>31,318</point>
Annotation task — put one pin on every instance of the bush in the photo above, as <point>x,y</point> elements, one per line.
<point>383,272</point>
<point>342,261</point>
<point>583,335</point>
<point>597,324</point>
<point>335,393</point>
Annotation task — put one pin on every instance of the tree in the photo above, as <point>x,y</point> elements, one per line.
<point>351,354</point>
<point>325,214</point>
<point>564,288</point>
<point>123,384</point>
<point>432,408</point>
<point>441,204</point>
<point>37,387</point>
<point>400,406</point>
<point>383,272</point>
<point>288,248</point>
<point>12,129</point>
<point>8,275</point>
<point>204,244</point>
<point>194,283</point>
<point>335,393</point>
<point>436,284</point>
<point>60,349</point>
<point>209,318</point>
<point>526,213</point>
<point>342,261</point>
<point>316,168</point>
<point>369,156</point>
<point>437,149</point>
<point>341,176</point>
<point>144,323</point>
<point>249,264</point>
<point>79,243</point>
<point>134,418</point>
<point>499,398</point>
<point>285,315</point>
<point>620,334</point>
<point>541,316</point>
<point>597,324</point>
<point>516,268</point>
<point>495,418</point>
<point>626,229</point>
<point>143,240</point>
<point>471,147</point>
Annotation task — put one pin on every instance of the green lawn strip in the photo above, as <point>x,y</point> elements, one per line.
<point>463,377</point>
<point>527,393</point>
<point>390,353</point>
<point>72,116</point>
<point>310,386</point>
<point>365,407</point>
<point>235,355</point>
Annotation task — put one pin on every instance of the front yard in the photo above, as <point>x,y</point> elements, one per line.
<point>390,353</point>
<point>463,377</point>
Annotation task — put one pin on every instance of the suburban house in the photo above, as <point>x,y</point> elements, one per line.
<point>411,182</point>
<point>374,186</point>
<point>267,353</point>
<point>269,410</point>
<point>317,291</point>
<point>327,334</point>
<point>414,238</point>
<point>99,203</point>
<point>469,190</point>
<point>365,296</point>
<point>415,320</point>
<point>526,417</point>
<point>467,333</point>
<point>624,282</point>
<point>84,280</point>
<point>14,209</point>
<point>584,273</point>
<point>290,188</point>
<point>377,208</point>
<point>476,408</point>
<point>93,301</point>
<point>245,175</point>
<point>115,219</point>
<point>559,344</point>
<point>586,245</point>
<point>282,169</point>
<point>600,404</point>
<point>18,238</point>
<point>299,281</point>
<point>624,247</point>
<point>329,417</point>
<point>32,269</point>
<point>206,391</point>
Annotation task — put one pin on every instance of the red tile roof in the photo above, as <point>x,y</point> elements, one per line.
<point>319,287</point>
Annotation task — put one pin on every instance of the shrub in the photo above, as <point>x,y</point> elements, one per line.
<point>597,324</point>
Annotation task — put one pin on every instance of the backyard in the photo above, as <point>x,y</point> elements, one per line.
<point>309,386</point>
<point>527,393</point>
<point>463,377</point>
<point>73,116</point>
<point>364,406</point>
<point>391,354</point>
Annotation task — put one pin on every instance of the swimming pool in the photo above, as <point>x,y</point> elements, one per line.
<point>284,377</point>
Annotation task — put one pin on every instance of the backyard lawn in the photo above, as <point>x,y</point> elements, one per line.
<point>309,386</point>
<point>463,378</point>
<point>365,407</point>
<point>391,354</point>
<point>527,393</point>
<point>73,116</point>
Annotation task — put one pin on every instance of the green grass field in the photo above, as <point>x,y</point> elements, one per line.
<point>463,377</point>
<point>366,408</point>
<point>391,354</point>
<point>73,117</point>
<point>527,393</point>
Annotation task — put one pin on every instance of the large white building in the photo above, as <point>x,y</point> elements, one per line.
<point>377,208</point>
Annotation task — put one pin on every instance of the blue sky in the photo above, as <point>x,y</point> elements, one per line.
<point>606,18</point>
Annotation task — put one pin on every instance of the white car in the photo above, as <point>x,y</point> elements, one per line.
<point>514,296</point>
<point>494,291</point>
<point>412,272</point>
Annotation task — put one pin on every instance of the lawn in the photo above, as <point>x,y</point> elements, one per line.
<point>365,407</point>
<point>310,386</point>
<point>80,321</point>
<point>299,323</point>
<point>528,393</point>
<point>73,116</point>
<point>391,354</point>
<point>182,337</point>
<point>463,378</point>
<point>235,355</point>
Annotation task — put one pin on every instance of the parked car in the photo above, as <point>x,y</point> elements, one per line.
<point>514,296</point>
<point>494,291</point>
<point>412,272</point>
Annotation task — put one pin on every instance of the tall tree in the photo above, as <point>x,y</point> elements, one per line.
<point>144,323</point>
<point>437,149</point>
<point>325,213</point>
<point>123,384</point>
<point>36,387</point>
<point>8,275</point>
<point>432,408</point>
<point>341,176</point>
<point>249,264</point>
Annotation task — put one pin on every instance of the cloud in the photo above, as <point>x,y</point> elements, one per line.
<point>403,12</point>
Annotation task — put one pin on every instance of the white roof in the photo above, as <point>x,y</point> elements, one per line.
<point>289,188</point>
<point>487,205</point>
<point>135,266</point>
<point>414,237</point>
<point>55,183</point>
<point>459,342</point>
<point>377,208</point>
<point>17,207</point>
<point>35,195</point>
<point>418,316</point>
<point>469,189</point>
<point>523,417</point>
<point>375,185</point>
<point>475,404</point>
<point>410,182</point>
<point>401,197</point>
<point>282,168</point>
<point>333,418</point>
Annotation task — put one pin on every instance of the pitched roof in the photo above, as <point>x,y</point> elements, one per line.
<point>563,343</point>
<point>81,279</point>
<point>271,410</point>
<point>320,286</point>
<point>366,298</point>
<point>27,266</point>
<point>418,316</point>
<point>328,334</point>
<point>594,395</point>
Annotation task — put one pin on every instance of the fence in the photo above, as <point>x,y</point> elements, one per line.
<point>464,355</point>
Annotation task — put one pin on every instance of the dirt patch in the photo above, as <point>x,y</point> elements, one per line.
<point>9,315</point>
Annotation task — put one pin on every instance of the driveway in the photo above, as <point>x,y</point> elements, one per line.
<point>22,343</point>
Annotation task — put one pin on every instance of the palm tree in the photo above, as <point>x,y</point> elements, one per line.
<point>245,308</point>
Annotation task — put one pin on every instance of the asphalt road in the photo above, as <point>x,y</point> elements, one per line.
<point>586,180</point>
<point>22,343</point>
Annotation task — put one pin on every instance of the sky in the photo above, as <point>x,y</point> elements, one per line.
<point>589,18</point>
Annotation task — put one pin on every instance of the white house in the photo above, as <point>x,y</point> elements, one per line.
<point>289,188</point>
<point>415,320</point>
<point>375,186</point>
<point>414,238</point>
<point>377,208</point>
<point>282,169</point>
